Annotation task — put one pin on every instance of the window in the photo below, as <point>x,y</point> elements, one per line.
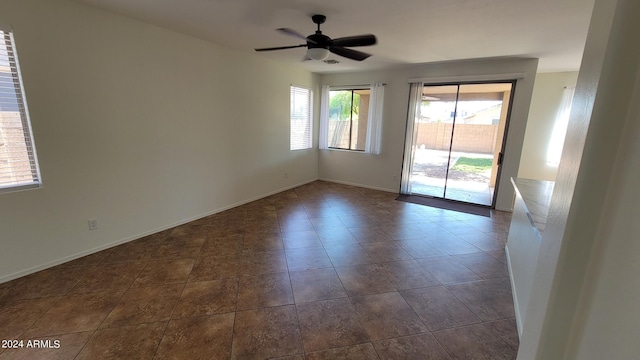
<point>301,118</point>
<point>18,164</point>
<point>351,118</point>
<point>348,117</point>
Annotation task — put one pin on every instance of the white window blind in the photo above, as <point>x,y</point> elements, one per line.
<point>18,164</point>
<point>301,118</point>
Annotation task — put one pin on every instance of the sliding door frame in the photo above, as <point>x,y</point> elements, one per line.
<point>425,82</point>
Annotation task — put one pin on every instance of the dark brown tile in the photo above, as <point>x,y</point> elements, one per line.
<point>484,265</point>
<point>127,342</point>
<point>295,224</point>
<point>307,258</point>
<point>327,224</point>
<point>329,324</point>
<point>301,239</point>
<point>499,255</point>
<point>109,277</point>
<point>261,227</point>
<point>292,357</point>
<point>263,242</point>
<point>75,313</point>
<point>165,272</point>
<point>484,241</point>
<point>266,333</point>
<point>88,260</point>
<point>347,254</point>
<point>263,262</point>
<point>316,284</point>
<point>420,248</point>
<point>474,342</point>
<point>335,236</point>
<point>370,237</point>
<point>387,316</point>
<point>368,234</point>
<point>381,252</point>
<point>214,268</point>
<point>408,274</point>
<point>188,231</point>
<point>364,279</point>
<point>507,329</point>
<point>448,270</point>
<point>438,308</point>
<point>398,231</point>
<point>46,283</point>
<point>205,337</point>
<point>18,316</point>
<point>134,251</point>
<point>422,346</point>
<point>264,291</point>
<point>454,245</point>
<point>144,304</point>
<point>488,299</point>
<point>66,347</point>
<point>354,352</point>
<point>255,215</point>
<point>207,298</point>
<point>179,247</point>
<point>223,246</point>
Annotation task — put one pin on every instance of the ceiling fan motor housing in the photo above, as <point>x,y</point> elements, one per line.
<point>318,41</point>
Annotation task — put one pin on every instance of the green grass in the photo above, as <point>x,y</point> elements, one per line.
<point>473,165</point>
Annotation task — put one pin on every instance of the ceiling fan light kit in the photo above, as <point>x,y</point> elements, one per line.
<point>317,53</point>
<point>319,45</point>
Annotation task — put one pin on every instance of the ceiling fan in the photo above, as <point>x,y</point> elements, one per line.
<point>319,45</point>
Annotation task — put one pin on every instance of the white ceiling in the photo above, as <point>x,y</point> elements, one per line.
<point>408,31</point>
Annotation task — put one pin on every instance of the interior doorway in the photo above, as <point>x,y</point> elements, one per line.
<point>457,138</point>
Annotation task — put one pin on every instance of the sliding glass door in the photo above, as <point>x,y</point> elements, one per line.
<point>457,138</point>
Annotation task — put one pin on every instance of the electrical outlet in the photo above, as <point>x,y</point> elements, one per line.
<point>286,175</point>
<point>395,177</point>
<point>93,224</point>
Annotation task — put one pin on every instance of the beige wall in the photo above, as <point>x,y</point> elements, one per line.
<point>584,302</point>
<point>378,171</point>
<point>545,101</point>
<point>139,127</point>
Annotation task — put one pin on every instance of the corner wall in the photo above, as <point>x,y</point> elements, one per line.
<point>139,127</point>
<point>584,302</point>
<point>378,171</point>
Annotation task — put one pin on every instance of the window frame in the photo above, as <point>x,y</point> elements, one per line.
<point>28,140</point>
<point>352,89</point>
<point>307,143</point>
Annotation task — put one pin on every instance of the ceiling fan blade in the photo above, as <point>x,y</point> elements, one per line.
<point>280,47</point>
<point>352,41</point>
<point>349,53</point>
<point>294,33</point>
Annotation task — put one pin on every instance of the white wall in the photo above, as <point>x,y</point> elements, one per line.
<point>139,127</point>
<point>545,101</point>
<point>584,302</point>
<point>377,171</point>
<point>608,325</point>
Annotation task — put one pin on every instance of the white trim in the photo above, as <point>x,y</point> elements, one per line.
<point>465,78</point>
<point>65,259</point>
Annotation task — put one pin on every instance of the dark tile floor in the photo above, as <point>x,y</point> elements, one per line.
<point>324,271</point>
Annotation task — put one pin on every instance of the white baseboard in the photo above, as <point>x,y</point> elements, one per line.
<point>65,259</point>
